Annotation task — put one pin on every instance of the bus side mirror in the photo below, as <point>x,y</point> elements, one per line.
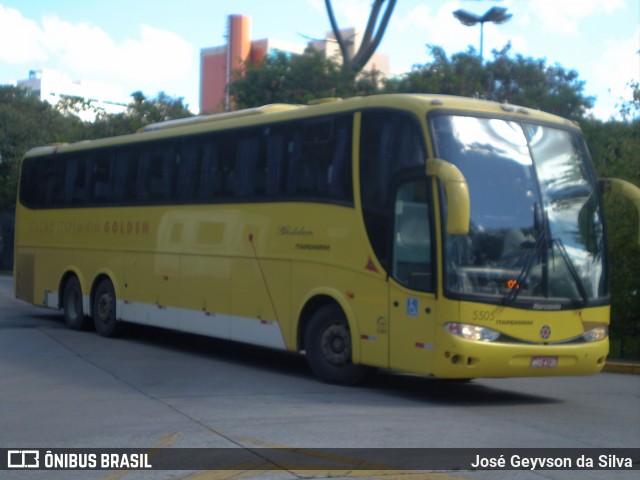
<point>623,189</point>
<point>457,192</point>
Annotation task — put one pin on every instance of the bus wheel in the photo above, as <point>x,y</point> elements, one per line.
<point>72,305</point>
<point>327,343</point>
<point>104,309</point>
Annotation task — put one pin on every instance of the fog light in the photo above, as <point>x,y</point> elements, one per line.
<point>472,332</point>
<point>595,334</point>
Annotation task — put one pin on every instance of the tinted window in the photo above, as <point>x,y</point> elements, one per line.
<point>76,180</point>
<point>390,143</point>
<point>319,152</point>
<point>301,160</point>
<point>102,181</point>
<point>412,236</point>
<point>44,182</point>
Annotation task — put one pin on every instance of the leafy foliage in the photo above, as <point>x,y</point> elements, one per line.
<point>140,112</point>
<point>283,78</point>
<point>630,108</point>
<point>26,122</point>
<point>614,147</point>
<point>520,81</point>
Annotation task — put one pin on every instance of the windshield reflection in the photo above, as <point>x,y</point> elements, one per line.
<point>536,229</point>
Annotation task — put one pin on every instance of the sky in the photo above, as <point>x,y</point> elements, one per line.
<point>154,46</point>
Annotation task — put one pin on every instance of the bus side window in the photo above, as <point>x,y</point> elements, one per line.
<point>159,172</point>
<point>319,162</point>
<point>412,237</point>
<point>124,175</point>
<point>76,181</point>
<point>293,156</point>
<point>29,181</point>
<point>340,173</point>
<point>246,165</point>
<point>51,180</point>
<point>225,175</point>
<point>186,175</point>
<point>207,169</point>
<point>390,143</point>
<point>141,192</point>
<point>312,174</point>
<point>274,162</point>
<point>102,178</point>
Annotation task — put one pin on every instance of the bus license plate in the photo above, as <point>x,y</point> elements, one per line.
<point>544,362</point>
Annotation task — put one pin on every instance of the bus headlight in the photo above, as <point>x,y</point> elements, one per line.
<point>471,332</point>
<point>595,334</point>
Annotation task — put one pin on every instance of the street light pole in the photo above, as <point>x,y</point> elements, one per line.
<point>481,40</point>
<point>495,15</point>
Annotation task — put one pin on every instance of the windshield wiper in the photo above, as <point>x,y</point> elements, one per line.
<point>537,248</point>
<point>572,269</point>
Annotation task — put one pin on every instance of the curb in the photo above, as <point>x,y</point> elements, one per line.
<point>622,367</point>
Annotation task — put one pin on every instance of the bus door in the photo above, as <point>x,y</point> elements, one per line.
<point>412,300</point>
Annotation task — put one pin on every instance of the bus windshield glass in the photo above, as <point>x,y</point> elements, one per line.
<point>536,234</point>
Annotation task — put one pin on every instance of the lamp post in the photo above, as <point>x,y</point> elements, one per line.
<point>495,15</point>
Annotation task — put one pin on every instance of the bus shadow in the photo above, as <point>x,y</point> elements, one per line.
<point>383,382</point>
<point>241,354</point>
<point>460,393</point>
<point>38,319</point>
<point>387,383</point>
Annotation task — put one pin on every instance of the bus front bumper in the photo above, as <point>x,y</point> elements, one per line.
<point>460,358</point>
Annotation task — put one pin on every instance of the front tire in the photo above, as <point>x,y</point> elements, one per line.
<point>72,305</point>
<point>327,343</point>
<point>104,310</point>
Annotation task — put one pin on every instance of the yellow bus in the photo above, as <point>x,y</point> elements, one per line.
<point>436,235</point>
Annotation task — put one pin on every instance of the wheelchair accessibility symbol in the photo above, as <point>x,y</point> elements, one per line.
<point>412,307</point>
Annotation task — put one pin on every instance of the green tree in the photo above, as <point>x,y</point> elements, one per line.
<point>520,81</point>
<point>295,79</point>
<point>630,108</point>
<point>463,74</point>
<point>140,112</point>
<point>532,83</point>
<point>614,147</point>
<point>70,105</point>
<point>26,122</point>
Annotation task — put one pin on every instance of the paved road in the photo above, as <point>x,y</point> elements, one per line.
<point>153,388</point>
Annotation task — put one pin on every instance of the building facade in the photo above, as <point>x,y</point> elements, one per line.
<point>52,86</point>
<point>219,64</point>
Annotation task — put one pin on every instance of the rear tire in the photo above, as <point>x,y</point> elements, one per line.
<point>72,305</point>
<point>327,342</point>
<point>104,310</point>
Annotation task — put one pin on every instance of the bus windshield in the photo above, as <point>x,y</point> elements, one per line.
<point>536,235</point>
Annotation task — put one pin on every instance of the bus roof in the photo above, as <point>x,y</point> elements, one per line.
<point>418,103</point>
<point>183,122</point>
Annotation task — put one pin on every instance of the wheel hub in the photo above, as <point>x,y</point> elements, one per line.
<point>336,345</point>
<point>104,307</point>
